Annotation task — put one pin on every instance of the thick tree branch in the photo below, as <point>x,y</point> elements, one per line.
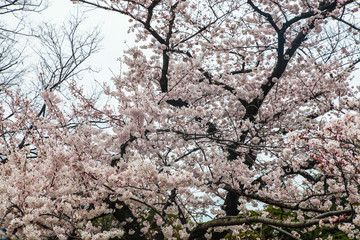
<point>201,229</point>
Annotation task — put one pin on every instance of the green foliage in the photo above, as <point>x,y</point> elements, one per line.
<point>105,222</point>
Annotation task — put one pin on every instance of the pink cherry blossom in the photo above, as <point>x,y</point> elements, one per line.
<point>239,106</point>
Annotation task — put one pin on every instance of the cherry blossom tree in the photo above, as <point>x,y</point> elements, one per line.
<point>225,108</point>
<point>63,55</point>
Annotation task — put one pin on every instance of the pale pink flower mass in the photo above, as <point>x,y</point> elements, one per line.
<point>226,113</point>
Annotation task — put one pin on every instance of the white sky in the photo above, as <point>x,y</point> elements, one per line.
<point>113,28</point>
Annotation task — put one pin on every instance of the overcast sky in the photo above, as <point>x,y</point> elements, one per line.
<point>113,29</point>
